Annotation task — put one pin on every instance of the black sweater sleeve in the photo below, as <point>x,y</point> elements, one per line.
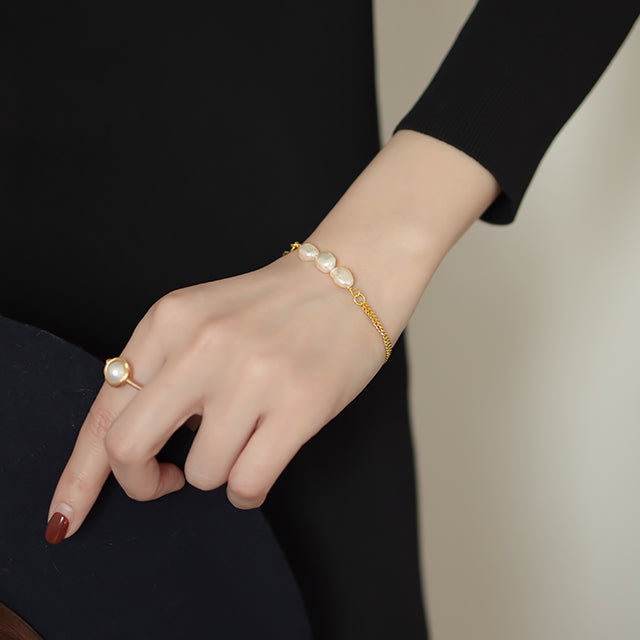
<point>513,77</point>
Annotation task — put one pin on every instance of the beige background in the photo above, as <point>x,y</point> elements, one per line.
<point>525,372</point>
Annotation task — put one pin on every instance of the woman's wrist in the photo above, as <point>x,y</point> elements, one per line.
<point>400,217</point>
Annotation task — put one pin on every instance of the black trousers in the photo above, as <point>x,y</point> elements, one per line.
<point>189,565</point>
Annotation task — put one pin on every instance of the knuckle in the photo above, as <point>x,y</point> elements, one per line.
<point>78,484</point>
<point>99,421</point>
<point>167,311</point>
<point>245,492</point>
<point>259,366</point>
<point>137,494</point>
<point>199,480</point>
<point>120,451</point>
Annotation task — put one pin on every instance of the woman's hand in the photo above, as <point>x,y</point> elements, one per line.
<point>267,358</point>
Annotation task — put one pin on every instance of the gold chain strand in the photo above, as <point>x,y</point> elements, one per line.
<point>361,301</point>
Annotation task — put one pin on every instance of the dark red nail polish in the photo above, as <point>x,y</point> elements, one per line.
<point>56,528</point>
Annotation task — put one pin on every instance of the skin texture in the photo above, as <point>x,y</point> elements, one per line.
<point>296,349</point>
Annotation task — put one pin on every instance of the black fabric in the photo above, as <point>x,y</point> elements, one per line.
<point>150,146</point>
<point>515,74</point>
<point>188,566</point>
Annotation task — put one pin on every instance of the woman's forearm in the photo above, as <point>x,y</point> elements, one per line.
<point>400,217</point>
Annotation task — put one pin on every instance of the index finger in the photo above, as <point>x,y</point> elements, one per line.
<point>88,466</point>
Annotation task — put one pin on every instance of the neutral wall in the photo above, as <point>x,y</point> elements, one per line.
<point>525,372</point>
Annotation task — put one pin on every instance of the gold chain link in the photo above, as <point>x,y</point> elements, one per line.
<point>361,301</point>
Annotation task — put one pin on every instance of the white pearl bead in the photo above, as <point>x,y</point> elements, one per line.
<point>342,277</point>
<point>325,261</point>
<point>307,252</point>
<point>115,372</point>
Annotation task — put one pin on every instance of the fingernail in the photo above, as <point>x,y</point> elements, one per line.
<point>58,523</point>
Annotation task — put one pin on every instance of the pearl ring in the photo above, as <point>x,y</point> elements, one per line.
<point>117,371</point>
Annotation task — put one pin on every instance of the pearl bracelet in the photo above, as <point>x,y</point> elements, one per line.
<point>325,261</point>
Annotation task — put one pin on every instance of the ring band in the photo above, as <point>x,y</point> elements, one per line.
<point>117,371</point>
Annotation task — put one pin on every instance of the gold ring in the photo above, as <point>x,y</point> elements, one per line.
<point>117,371</point>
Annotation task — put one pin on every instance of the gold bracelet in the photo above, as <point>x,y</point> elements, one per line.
<point>325,261</point>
